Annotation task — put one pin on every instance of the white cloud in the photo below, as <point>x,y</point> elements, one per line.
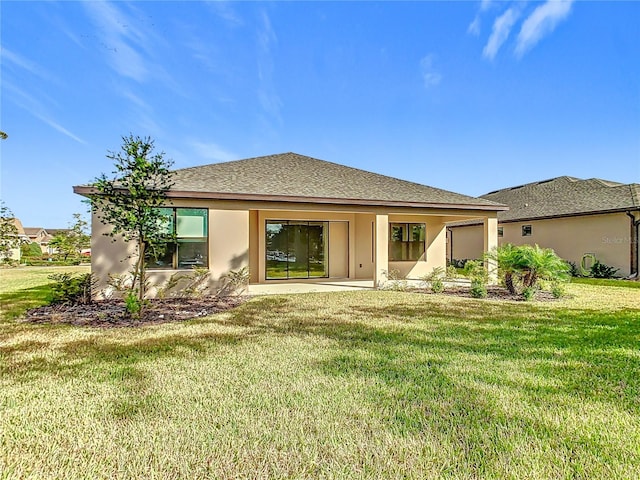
<point>36,108</point>
<point>500,32</point>
<point>56,126</point>
<point>223,10</point>
<point>211,151</point>
<point>485,4</point>
<point>430,75</point>
<point>474,27</point>
<point>267,93</point>
<point>541,22</point>
<point>9,57</point>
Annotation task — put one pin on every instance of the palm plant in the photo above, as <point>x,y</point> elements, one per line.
<point>525,265</point>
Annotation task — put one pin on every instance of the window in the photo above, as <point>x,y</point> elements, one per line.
<point>407,241</point>
<point>187,243</point>
<point>501,231</point>
<point>526,230</point>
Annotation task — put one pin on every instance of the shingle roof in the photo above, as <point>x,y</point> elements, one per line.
<point>298,176</point>
<point>33,231</point>
<point>565,196</point>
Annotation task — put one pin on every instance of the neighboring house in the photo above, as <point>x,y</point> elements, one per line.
<point>575,217</point>
<point>16,253</point>
<point>292,217</point>
<point>40,236</point>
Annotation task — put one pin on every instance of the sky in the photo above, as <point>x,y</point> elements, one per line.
<point>465,96</point>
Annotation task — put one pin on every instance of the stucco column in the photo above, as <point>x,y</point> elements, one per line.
<point>381,249</point>
<point>490,243</point>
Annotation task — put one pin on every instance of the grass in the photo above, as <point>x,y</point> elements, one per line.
<point>608,282</point>
<point>370,384</point>
<point>23,288</point>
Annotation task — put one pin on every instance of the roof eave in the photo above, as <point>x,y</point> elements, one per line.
<point>88,190</point>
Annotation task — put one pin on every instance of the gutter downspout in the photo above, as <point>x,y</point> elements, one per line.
<point>635,234</point>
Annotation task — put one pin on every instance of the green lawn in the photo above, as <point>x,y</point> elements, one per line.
<point>370,384</point>
<point>609,282</point>
<point>28,287</point>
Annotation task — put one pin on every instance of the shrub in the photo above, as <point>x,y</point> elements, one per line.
<point>396,282</point>
<point>133,304</point>
<point>478,289</point>
<point>574,270</point>
<point>558,290</point>
<point>437,286</point>
<point>434,280</point>
<point>70,289</point>
<point>522,267</point>
<point>31,250</point>
<point>600,270</point>
<point>235,282</point>
<point>50,262</point>
<point>529,293</point>
<point>196,283</point>
<point>458,263</point>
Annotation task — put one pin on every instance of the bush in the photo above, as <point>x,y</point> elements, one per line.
<point>31,250</point>
<point>478,289</point>
<point>529,293</point>
<point>434,280</point>
<point>600,270</point>
<point>524,266</point>
<point>396,282</point>
<point>558,290</point>
<point>574,270</point>
<point>458,263</point>
<point>49,263</point>
<point>70,289</point>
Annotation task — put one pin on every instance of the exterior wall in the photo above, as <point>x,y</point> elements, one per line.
<point>364,253</point>
<point>339,249</point>
<point>228,248</point>
<point>435,251</point>
<point>606,236</point>
<point>358,241</point>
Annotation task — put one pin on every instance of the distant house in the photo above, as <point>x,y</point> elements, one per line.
<point>43,236</point>
<point>575,217</point>
<point>40,236</point>
<point>290,217</point>
<point>15,253</point>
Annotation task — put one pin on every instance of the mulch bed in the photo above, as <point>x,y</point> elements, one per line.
<point>112,313</point>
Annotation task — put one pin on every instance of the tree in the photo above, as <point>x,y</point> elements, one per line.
<point>31,250</point>
<point>129,201</point>
<point>3,136</point>
<point>71,242</point>
<point>8,232</point>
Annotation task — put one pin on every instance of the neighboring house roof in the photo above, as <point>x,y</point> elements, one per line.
<point>34,231</point>
<point>54,231</point>
<point>294,177</point>
<point>562,197</point>
<point>19,227</point>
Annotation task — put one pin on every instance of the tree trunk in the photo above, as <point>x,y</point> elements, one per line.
<point>141,271</point>
<point>508,281</point>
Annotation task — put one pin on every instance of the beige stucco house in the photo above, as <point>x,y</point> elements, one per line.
<point>574,217</point>
<point>289,217</point>
<point>14,253</point>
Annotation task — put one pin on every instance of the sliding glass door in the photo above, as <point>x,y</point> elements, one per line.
<point>296,249</point>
